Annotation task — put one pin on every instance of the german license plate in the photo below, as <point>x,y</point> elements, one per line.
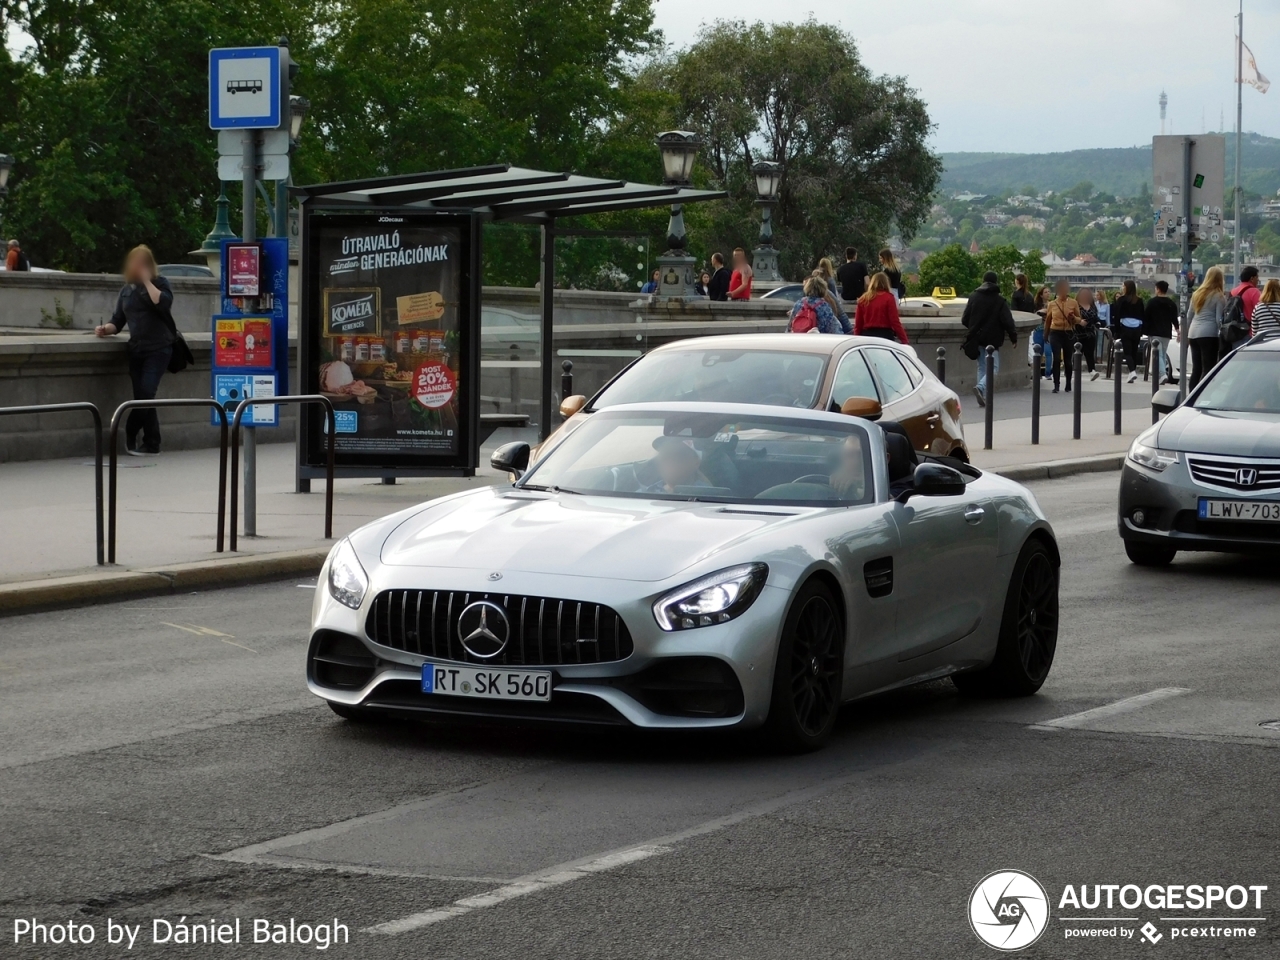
<point>1255,511</point>
<point>490,684</point>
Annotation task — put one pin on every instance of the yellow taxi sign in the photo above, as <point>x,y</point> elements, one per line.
<point>944,293</point>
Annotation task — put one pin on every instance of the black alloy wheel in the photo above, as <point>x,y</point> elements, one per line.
<point>808,675</point>
<point>1028,630</point>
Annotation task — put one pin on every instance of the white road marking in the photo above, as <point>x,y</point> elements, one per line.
<point>200,631</point>
<point>1128,704</point>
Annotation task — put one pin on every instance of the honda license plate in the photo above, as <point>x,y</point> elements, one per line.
<point>491,684</point>
<point>1253,511</point>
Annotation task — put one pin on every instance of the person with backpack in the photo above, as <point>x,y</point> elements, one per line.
<point>877,311</point>
<point>812,313</point>
<point>1237,320</point>
<point>15,259</point>
<point>1208,305</point>
<point>144,306</point>
<point>988,319</point>
<point>1127,316</point>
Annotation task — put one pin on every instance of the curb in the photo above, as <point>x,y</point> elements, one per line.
<point>109,586</point>
<point>1056,469</point>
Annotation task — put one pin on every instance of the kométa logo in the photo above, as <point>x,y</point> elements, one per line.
<point>1008,910</point>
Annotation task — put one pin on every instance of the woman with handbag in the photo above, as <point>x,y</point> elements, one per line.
<point>1087,332</point>
<point>144,307</point>
<point>1128,313</point>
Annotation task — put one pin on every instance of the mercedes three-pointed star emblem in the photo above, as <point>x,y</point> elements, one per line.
<point>484,629</point>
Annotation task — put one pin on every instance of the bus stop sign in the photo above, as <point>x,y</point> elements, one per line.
<point>244,88</point>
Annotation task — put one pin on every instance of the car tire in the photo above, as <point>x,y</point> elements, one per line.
<point>1028,630</point>
<point>1148,554</point>
<point>808,674</point>
<point>352,714</point>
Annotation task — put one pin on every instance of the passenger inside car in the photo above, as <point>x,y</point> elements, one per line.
<point>849,478</point>
<point>679,465</point>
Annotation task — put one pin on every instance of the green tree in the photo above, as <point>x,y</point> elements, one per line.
<point>853,144</point>
<point>951,266</point>
<point>1007,261</point>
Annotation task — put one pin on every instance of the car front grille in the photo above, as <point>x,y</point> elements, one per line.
<point>1228,473</point>
<point>543,631</point>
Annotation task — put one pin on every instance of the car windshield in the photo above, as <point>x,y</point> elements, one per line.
<point>730,458</point>
<point>1250,380</point>
<point>779,377</point>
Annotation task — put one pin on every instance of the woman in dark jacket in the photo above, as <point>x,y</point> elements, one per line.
<point>144,307</point>
<point>1087,332</point>
<point>891,270</point>
<point>1022,300</point>
<point>1127,314</point>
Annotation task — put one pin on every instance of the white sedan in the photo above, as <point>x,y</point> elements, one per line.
<point>692,565</point>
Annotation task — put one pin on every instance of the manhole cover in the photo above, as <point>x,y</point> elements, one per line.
<point>1270,724</point>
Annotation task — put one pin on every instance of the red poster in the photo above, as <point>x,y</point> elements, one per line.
<point>434,385</point>
<point>257,342</point>
<point>244,270</point>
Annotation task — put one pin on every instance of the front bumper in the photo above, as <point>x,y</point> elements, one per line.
<point>1169,501</point>
<point>710,677</point>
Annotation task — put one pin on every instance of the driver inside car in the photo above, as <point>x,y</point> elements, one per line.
<point>679,465</point>
<point>849,478</point>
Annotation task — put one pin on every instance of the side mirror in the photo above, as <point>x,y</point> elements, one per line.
<point>863,407</point>
<point>571,405</point>
<point>1165,400</point>
<point>511,458</point>
<point>934,480</point>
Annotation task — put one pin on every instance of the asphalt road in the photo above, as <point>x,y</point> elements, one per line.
<point>161,759</point>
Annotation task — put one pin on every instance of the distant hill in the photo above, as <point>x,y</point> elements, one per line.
<point>1120,170</point>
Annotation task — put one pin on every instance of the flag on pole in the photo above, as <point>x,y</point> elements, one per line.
<point>1249,70</point>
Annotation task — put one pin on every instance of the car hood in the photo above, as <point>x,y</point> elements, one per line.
<point>505,530</point>
<point>1235,433</point>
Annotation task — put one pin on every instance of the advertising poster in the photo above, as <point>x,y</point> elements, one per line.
<point>242,342</point>
<point>244,270</point>
<point>387,345</point>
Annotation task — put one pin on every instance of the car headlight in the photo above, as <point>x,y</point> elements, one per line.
<point>714,599</point>
<point>1151,457</point>
<point>347,579</point>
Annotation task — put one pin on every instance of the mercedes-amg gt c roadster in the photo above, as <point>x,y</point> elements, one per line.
<point>693,565</point>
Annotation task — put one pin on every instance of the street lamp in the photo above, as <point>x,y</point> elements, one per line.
<point>211,249</point>
<point>298,107</point>
<point>764,260</point>
<point>675,267</point>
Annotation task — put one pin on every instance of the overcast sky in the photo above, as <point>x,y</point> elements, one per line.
<point>1030,76</point>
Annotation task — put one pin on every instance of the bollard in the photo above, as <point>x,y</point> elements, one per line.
<point>1037,366</point>
<point>1157,364</point>
<point>1116,358</point>
<point>566,380</point>
<point>1077,358</point>
<point>1182,366</point>
<point>991,397</point>
<point>942,364</point>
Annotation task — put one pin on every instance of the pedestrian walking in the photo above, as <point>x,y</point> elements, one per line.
<point>1087,332</point>
<point>1041,303</point>
<point>988,319</point>
<point>1208,305</point>
<point>1105,337</point>
<point>1061,318</point>
<point>827,274</point>
<point>812,313</point>
<point>889,265</point>
<point>144,305</point>
<point>877,312</point>
<point>1159,322</point>
<point>1127,315</point>
<point>1238,317</point>
<point>652,285</point>
<point>15,259</point>
<point>852,276</point>
<point>1266,315</point>
<point>1022,300</point>
<point>718,288</point>
<point>740,280</point>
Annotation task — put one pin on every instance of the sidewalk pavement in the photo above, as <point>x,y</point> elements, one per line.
<point>166,512</point>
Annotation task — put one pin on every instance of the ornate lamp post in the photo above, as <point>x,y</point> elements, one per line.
<point>764,259</point>
<point>284,227</point>
<point>211,249</point>
<point>675,267</point>
<point>6,164</point>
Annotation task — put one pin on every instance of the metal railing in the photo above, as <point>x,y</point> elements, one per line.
<point>207,402</point>
<point>235,454</point>
<point>97,451</point>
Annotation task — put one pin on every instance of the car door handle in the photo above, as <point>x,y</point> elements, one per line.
<point>934,417</point>
<point>974,513</point>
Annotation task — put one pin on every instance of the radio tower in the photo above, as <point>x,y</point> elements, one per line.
<point>1164,104</point>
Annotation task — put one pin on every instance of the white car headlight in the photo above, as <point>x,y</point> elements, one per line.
<point>714,599</point>
<point>1151,457</point>
<point>347,579</point>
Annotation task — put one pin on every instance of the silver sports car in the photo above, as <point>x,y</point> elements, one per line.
<point>693,565</point>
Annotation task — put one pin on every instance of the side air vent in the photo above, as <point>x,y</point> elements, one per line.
<point>879,576</point>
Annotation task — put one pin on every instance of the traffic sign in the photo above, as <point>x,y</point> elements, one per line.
<point>244,88</point>
<point>274,166</point>
<point>273,142</point>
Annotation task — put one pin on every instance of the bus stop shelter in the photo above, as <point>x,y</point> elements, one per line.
<point>503,193</point>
